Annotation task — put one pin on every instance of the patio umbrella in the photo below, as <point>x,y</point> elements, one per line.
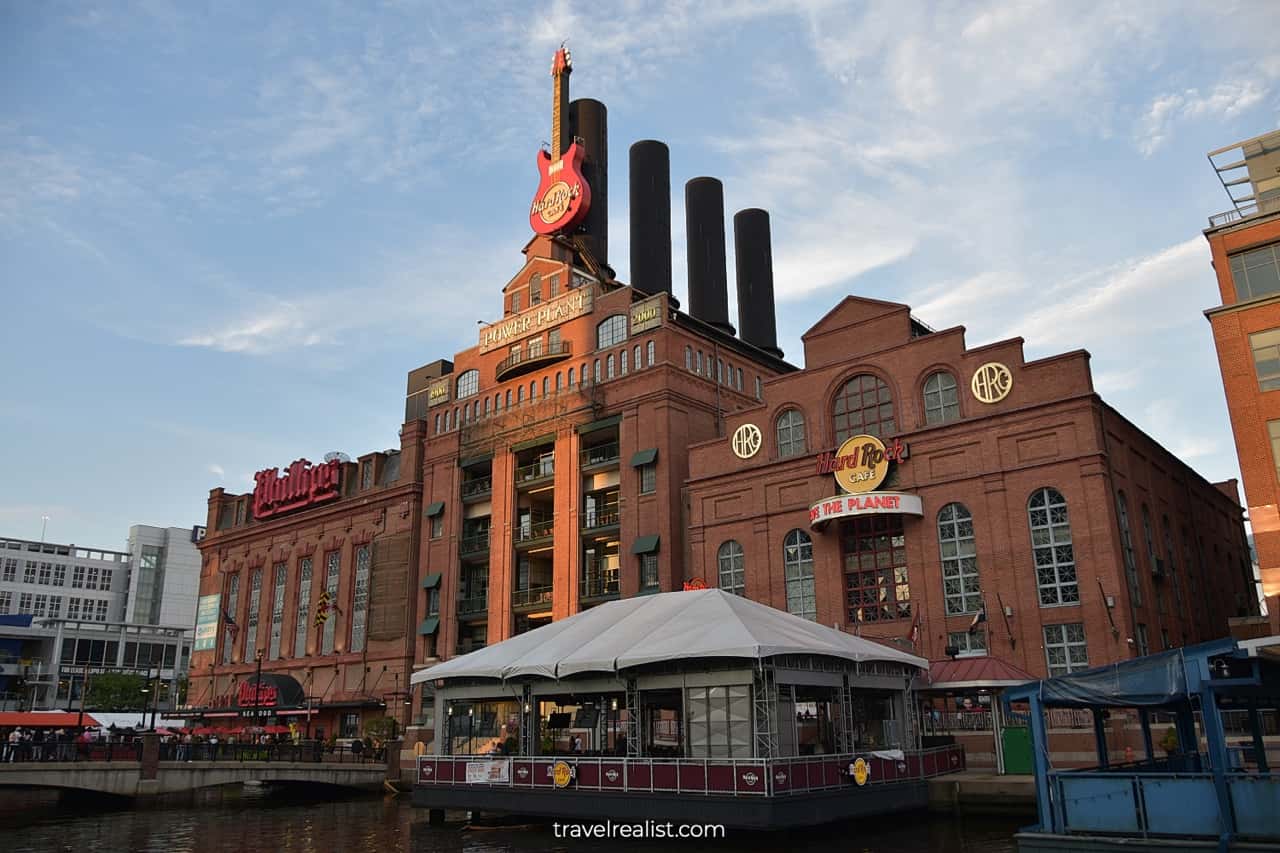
<point>204,730</point>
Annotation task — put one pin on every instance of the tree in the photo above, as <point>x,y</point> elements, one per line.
<point>380,728</point>
<point>116,691</point>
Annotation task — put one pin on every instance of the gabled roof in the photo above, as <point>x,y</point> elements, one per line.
<point>852,310</point>
<point>668,626</point>
<point>974,673</point>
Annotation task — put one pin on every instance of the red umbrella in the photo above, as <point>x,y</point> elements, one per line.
<point>277,730</point>
<point>204,730</point>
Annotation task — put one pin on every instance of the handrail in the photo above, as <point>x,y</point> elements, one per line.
<point>532,595</point>
<point>598,580</point>
<point>535,529</point>
<point>605,516</point>
<point>599,454</point>
<point>474,604</point>
<point>477,486</point>
<point>538,470</point>
<point>526,357</point>
<point>474,543</point>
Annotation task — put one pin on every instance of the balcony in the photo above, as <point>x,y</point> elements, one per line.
<point>539,472</point>
<point>534,596</point>
<point>467,647</point>
<point>474,606</point>
<point>532,530</point>
<point>601,517</point>
<point>527,361</point>
<point>600,454</point>
<point>474,543</point>
<point>599,580</point>
<point>480,487</point>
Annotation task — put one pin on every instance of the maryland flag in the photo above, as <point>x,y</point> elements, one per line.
<point>322,609</point>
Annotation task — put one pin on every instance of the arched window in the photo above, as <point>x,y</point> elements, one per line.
<point>790,431</point>
<point>437,423</point>
<point>863,405</point>
<point>559,381</point>
<point>960,588</point>
<point>519,393</point>
<point>533,388</point>
<point>497,402</point>
<point>546,385</point>
<point>732,571</point>
<point>582,373</point>
<point>941,402</point>
<point>1055,559</point>
<point>652,350</point>
<point>622,361</point>
<point>739,378</point>
<point>611,331</point>
<point>636,357</point>
<point>596,373</point>
<point>698,361</point>
<point>468,383</point>
<point>570,377</point>
<point>608,370</point>
<point>1126,543</point>
<point>486,407</point>
<point>688,358</point>
<point>457,418</point>
<point>797,563</point>
<point>508,402</point>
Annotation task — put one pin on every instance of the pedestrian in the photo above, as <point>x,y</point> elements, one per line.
<point>37,745</point>
<point>12,744</point>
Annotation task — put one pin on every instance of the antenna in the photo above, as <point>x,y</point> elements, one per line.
<point>336,455</point>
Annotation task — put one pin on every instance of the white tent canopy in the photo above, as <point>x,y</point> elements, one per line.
<point>653,628</point>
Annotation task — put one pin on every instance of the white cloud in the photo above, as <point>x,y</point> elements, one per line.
<point>216,470</point>
<point>1225,101</point>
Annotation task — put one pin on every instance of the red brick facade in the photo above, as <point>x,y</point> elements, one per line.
<point>1251,408</point>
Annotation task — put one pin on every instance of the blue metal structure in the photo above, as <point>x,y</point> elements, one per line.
<point>1187,794</point>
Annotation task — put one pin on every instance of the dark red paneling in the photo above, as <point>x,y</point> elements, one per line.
<point>523,773</point>
<point>693,777</point>
<point>780,776</point>
<point>751,778</point>
<point>612,775</point>
<point>588,774</point>
<point>426,771</point>
<point>664,776</point>
<point>639,776</point>
<point>720,778</point>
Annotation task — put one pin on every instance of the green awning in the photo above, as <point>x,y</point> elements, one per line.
<point>429,626</point>
<point>431,581</point>
<point>434,509</point>
<point>644,457</point>
<point>604,423</point>
<point>645,545</point>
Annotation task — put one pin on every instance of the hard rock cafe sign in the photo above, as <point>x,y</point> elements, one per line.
<point>860,467</point>
<point>302,484</point>
<point>563,196</point>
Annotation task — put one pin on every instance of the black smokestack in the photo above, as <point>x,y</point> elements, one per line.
<point>753,256</point>
<point>589,119</point>
<point>651,216</point>
<point>704,227</point>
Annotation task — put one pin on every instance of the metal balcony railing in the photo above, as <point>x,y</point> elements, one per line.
<point>526,360</point>
<point>531,597</point>
<point>600,454</point>
<point>539,470</point>
<point>536,528</point>
<point>474,543</point>
<point>604,516</point>
<point>598,581</point>
<point>477,487</point>
<point>475,604</point>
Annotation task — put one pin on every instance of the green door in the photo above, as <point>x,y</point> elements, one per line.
<point>1016,743</point>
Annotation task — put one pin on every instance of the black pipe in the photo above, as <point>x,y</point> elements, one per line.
<point>589,119</point>
<point>651,216</point>
<point>704,229</point>
<point>753,260</point>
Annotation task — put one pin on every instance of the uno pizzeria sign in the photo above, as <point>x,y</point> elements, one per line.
<point>860,467</point>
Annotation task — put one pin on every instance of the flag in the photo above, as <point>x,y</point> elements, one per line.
<point>322,609</point>
<point>978,618</point>
<point>232,627</point>
<point>914,636</point>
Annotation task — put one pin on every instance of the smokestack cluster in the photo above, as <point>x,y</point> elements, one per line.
<point>589,119</point>
<point>704,230</point>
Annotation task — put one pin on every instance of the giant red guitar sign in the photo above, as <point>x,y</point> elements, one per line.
<point>563,197</point>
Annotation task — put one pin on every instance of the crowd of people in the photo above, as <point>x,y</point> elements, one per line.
<point>31,743</point>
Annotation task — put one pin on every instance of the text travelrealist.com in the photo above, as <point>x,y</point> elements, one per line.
<point>640,829</point>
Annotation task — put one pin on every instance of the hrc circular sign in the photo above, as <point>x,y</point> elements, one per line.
<point>861,463</point>
<point>991,382</point>
<point>860,771</point>
<point>561,774</point>
<point>746,441</point>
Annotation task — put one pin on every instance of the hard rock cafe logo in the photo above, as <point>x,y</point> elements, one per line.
<point>746,441</point>
<point>427,770</point>
<point>611,775</point>
<point>552,205</point>
<point>562,774</point>
<point>750,778</point>
<point>991,382</point>
<point>302,485</point>
<point>523,772</point>
<point>780,777</point>
<point>862,462</point>
<point>860,771</point>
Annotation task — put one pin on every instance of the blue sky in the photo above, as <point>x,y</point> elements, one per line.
<point>227,231</point>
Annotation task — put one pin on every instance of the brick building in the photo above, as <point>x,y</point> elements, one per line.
<point>591,445</point>
<point>1245,244</point>
<point>1086,541</point>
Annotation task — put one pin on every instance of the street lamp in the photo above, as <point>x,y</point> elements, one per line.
<point>257,684</point>
<point>145,691</point>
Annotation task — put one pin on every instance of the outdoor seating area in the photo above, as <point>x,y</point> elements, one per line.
<point>1192,781</point>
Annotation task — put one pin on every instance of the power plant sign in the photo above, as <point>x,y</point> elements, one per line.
<point>563,196</point>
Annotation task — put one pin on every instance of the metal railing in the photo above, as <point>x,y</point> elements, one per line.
<point>539,470</point>
<point>521,358</point>
<point>600,454</point>
<point>474,543</point>
<point>204,750</point>
<point>599,580</point>
<point>746,777</point>
<point>603,516</point>
<point>476,487</point>
<point>532,596</point>
<point>30,752</point>
<point>474,604</point>
<point>534,529</point>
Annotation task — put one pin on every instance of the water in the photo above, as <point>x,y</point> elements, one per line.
<point>292,820</point>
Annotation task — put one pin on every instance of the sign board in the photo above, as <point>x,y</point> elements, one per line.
<point>746,441</point>
<point>646,315</point>
<point>862,462</point>
<point>879,503</point>
<point>198,532</point>
<point>562,774</point>
<point>991,382</point>
<point>438,392</point>
<point>488,772</point>
<point>207,611</point>
<point>860,770</point>
<point>302,485</point>
<point>536,319</point>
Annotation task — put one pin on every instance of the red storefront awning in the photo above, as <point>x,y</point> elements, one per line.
<point>45,719</point>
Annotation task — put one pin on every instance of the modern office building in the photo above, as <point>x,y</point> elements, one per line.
<point>48,580</point>
<point>164,575</point>
<point>1245,244</point>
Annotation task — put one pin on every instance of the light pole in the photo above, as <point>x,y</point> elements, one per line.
<point>155,699</point>
<point>146,689</point>
<point>257,685</point>
<point>44,524</point>
<point>84,695</point>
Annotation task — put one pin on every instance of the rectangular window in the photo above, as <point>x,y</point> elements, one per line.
<point>77,577</point>
<point>29,572</point>
<point>366,475</point>
<point>350,726</point>
<point>433,601</point>
<point>105,582</point>
<point>759,389</point>
<point>535,290</point>
<point>648,478</point>
<point>55,607</point>
<point>360,600</point>
<point>277,610</point>
<point>970,645</point>
<point>875,569</point>
<point>515,302</point>
<point>1256,272</point>
<point>73,608</point>
<point>60,575</point>
<point>333,566</point>
<point>251,620</point>
<point>1273,432</point>
<point>10,569</point>
<point>100,610</point>
<point>228,614</point>
<point>42,602</point>
<point>1141,641</point>
<point>91,582</point>
<point>24,602</point>
<point>1064,648</point>
<point>720,722</point>
<point>304,608</point>
<point>1266,358</point>
<point>437,525</point>
<point>553,341</point>
<point>553,285</point>
<point>6,602</point>
<point>46,574</point>
<point>648,571</point>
